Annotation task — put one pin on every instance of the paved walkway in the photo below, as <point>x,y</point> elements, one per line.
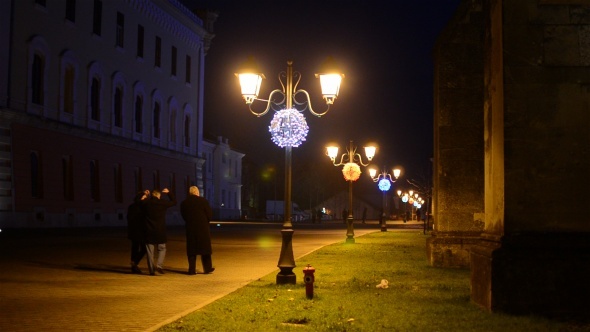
<point>79,280</point>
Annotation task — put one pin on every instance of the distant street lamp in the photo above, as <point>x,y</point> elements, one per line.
<point>351,172</point>
<point>288,129</point>
<point>413,198</point>
<point>384,181</point>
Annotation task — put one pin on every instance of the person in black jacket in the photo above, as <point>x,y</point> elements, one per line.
<point>155,232</point>
<point>197,214</point>
<point>136,230</point>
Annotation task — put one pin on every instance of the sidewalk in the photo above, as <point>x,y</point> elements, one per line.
<point>80,280</point>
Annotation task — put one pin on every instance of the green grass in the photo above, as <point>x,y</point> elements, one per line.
<point>419,297</point>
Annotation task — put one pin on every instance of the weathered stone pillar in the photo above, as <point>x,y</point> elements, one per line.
<point>534,255</point>
<point>458,201</point>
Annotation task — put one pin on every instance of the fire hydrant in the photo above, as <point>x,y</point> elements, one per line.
<point>308,279</point>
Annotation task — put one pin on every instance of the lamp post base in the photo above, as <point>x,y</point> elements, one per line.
<point>384,226</point>
<point>350,229</point>
<point>286,260</point>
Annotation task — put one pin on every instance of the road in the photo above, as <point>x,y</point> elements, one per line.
<point>80,280</point>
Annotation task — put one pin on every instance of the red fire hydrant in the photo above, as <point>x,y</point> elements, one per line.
<point>308,279</point>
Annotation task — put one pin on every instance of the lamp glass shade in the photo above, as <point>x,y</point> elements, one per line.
<point>397,172</point>
<point>370,151</point>
<point>330,84</point>
<point>332,152</point>
<point>372,172</point>
<point>250,84</point>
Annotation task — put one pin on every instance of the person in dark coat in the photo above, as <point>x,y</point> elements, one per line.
<point>155,227</point>
<point>197,214</point>
<point>136,230</point>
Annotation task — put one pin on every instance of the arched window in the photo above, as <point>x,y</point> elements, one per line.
<point>95,93</point>
<point>156,123</point>
<point>37,79</point>
<point>173,126</point>
<point>94,181</point>
<point>95,99</point>
<point>68,83</point>
<point>36,178</point>
<point>118,108</point>
<point>187,130</point>
<point>138,114</point>
<point>38,64</point>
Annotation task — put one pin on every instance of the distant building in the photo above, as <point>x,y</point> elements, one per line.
<point>98,100</point>
<point>223,178</point>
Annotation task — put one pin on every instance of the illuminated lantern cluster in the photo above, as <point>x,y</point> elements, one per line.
<point>351,171</point>
<point>288,128</point>
<point>384,185</point>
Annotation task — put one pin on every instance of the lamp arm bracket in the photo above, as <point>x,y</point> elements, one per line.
<point>359,158</point>
<point>269,103</point>
<point>308,101</point>
<point>341,161</point>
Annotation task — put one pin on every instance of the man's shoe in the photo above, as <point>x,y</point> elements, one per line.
<point>160,270</point>
<point>192,273</point>
<point>135,269</point>
<point>210,270</point>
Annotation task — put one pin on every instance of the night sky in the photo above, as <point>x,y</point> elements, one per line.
<point>384,48</point>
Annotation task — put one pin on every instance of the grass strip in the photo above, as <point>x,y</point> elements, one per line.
<point>346,297</point>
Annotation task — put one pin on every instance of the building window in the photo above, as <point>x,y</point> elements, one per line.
<point>118,183</point>
<point>71,10</point>
<point>187,74</point>
<point>95,99</point>
<point>38,77</point>
<point>68,98</point>
<point>120,32</point>
<point>173,61</point>
<point>158,55</point>
<point>118,107</point>
<point>173,126</point>
<point>187,131</point>
<point>172,182</point>
<point>156,179</point>
<point>140,35</point>
<point>36,178</point>
<point>97,17</point>
<point>42,3</point>
<point>137,176</point>
<point>138,114</point>
<point>94,181</point>
<point>157,120</point>
<point>67,173</point>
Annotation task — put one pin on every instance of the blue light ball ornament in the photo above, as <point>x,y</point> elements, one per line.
<point>384,185</point>
<point>288,128</point>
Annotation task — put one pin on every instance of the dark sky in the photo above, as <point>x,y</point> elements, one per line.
<point>384,48</point>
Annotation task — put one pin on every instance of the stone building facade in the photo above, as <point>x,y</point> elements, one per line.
<point>532,252</point>
<point>98,99</point>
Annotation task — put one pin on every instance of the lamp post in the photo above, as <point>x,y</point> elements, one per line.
<point>384,183</point>
<point>289,129</point>
<point>351,172</point>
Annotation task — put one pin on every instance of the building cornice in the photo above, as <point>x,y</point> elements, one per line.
<point>192,37</point>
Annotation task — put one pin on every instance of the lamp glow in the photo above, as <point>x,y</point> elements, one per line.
<point>250,85</point>
<point>332,152</point>
<point>370,152</point>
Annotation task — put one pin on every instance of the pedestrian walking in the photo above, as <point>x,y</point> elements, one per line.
<point>196,212</point>
<point>155,234</point>
<point>136,230</point>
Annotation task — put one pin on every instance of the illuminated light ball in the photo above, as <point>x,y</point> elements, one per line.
<point>288,128</point>
<point>405,198</point>
<point>384,185</point>
<point>351,171</point>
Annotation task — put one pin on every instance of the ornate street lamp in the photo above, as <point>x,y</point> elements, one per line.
<point>413,198</point>
<point>384,183</point>
<point>288,129</point>
<point>351,172</point>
